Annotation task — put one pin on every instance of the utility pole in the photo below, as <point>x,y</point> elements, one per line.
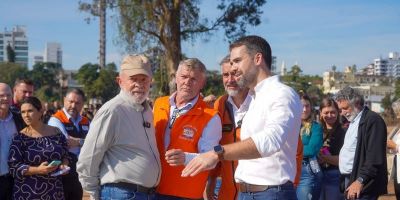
<point>98,9</point>
<point>102,40</point>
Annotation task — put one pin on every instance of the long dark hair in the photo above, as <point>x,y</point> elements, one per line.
<point>35,102</point>
<point>329,102</point>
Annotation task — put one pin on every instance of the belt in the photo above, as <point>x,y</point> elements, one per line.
<point>246,187</point>
<point>134,187</point>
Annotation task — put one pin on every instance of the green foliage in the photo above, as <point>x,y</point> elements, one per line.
<point>10,54</point>
<point>9,72</point>
<point>100,84</point>
<point>46,79</point>
<point>160,82</point>
<point>306,83</point>
<point>214,84</point>
<point>397,89</point>
<point>387,102</point>
<point>165,24</point>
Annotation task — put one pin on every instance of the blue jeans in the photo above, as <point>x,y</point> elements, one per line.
<point>282,192</point>
<point>108,192</point>
<point>330,185</point>
<point>309,187</point>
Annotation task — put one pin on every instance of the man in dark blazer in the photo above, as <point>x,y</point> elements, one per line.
<point>362,159</point>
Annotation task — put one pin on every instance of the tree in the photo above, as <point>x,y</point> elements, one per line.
<point>397,89</point>
<point>46,79</point>
<point>354,68</point>
<point>166,23</point>
<point>10,54</point>
<point>214,84</point>
<point>99,83</point>
<point>9,72</point>
<point>334,68</point>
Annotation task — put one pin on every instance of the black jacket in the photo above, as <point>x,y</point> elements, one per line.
<point>19,123</point>
<point>370,157</point>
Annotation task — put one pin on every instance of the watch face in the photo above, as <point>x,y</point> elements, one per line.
<point>218,149</point>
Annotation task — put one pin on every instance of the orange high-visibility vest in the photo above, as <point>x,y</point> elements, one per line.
<point>230,134</point>
<point>185,134</point>
<point>70,127</point>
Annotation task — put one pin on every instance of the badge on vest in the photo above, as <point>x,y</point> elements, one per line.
<point>69,128</point>
<point>188,133</point>
<point>85,128</point>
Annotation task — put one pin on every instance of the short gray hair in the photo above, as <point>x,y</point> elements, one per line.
<point>224,60</point>
<point>396,107</point>
<point>193,64</point>
<point>350,94</point>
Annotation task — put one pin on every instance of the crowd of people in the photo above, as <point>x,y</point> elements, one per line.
<point>261,140</point>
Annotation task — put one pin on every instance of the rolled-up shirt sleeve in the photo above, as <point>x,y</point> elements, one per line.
<point>280,122</point>
<point>210,137</point>
<point>97,142</point>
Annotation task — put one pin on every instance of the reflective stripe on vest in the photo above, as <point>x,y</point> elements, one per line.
<point>70,127</point>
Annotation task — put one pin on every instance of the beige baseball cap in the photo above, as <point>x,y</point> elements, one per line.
<point>136,64</point>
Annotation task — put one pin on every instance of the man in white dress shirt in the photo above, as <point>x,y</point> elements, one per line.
<point>270,129</point>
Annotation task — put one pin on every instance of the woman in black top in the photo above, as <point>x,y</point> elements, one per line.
<point>329,154</point>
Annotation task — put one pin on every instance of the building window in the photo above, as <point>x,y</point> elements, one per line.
<point>21,48</point>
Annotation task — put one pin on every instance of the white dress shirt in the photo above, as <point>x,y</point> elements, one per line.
<point>7,133</point>
<point>210,137</point>
<point>239,113</point>
<point>347,153</point>
<point>53,121</point>
<point>273,122</point>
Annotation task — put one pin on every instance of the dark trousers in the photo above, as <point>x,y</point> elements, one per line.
<point>396,185</point>
<point>71,185</point>
<point>6,187</point>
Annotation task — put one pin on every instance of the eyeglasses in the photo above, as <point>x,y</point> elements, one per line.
<point>5,96</point>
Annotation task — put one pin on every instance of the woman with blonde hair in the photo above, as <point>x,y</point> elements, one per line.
<point>311,136</point>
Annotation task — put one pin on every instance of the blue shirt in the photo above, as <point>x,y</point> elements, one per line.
<point>7,131</point>
<point>347,153</point>
<point>210,137</point>
<point>53,121</point>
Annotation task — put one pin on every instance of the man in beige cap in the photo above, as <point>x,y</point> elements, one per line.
<point>119,159</point>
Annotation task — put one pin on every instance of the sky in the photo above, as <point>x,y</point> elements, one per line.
<point>315,34</point>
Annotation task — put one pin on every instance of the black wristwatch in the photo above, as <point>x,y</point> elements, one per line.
<point>360,180</point>
<point>220,151</point>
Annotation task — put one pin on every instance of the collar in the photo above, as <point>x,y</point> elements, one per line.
<point>264,82</point>
<point>245,104</point>
<point>70,117</point>
<point>8,118</point>
<point>187,106</point>
<point>358,116</point>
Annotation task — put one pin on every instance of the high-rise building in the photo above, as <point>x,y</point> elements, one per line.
<point>18,41</point>
<point>53,53</point>
<point>388,66</point>
<point>37,59</point>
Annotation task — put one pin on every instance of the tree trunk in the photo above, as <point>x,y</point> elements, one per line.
<point>172,44</point>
